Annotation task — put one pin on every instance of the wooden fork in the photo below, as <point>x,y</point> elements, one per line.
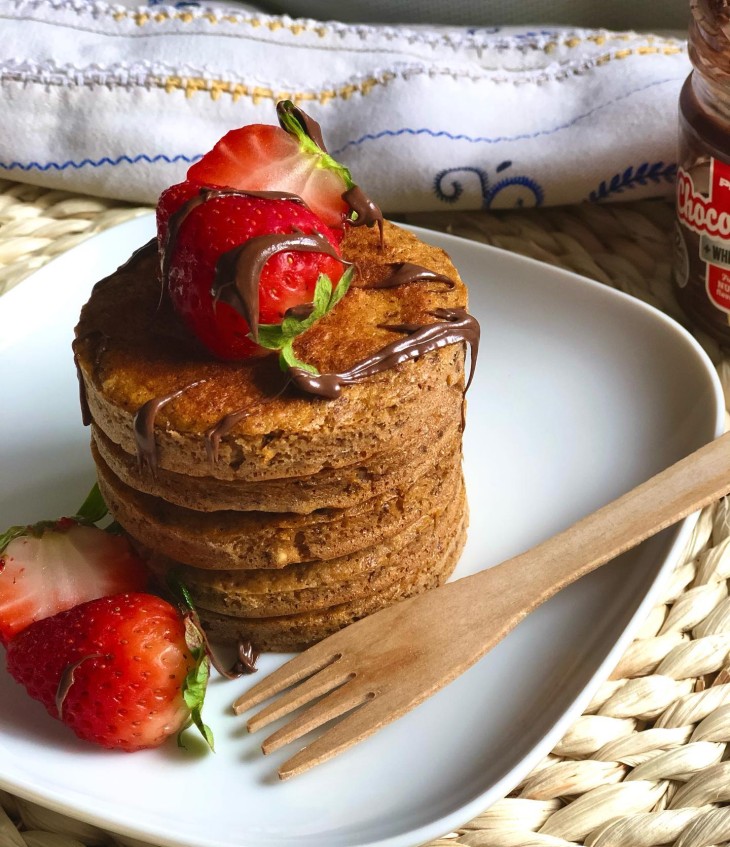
<point>379,668</point>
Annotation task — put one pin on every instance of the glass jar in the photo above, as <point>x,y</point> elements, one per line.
<point>702,231</point>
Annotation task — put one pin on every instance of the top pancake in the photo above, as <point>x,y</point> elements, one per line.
<point>131,351</point>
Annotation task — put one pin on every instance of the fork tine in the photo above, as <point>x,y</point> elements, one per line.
<point>354,727</point>
<point>295,670</point>
<point>335,704</point>
<point>322,682</point>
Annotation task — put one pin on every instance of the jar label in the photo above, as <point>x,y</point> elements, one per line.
<point>709,217</point>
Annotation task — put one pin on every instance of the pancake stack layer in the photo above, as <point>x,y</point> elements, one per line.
<point>287,516</point>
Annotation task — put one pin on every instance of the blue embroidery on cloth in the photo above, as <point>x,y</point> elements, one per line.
<point>630,178</point>
<point>529,192</point>
<point>482,139</point>
<point>388,133</point>
<point>98,163</point>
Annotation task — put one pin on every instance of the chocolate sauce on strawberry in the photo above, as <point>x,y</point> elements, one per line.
<point>68,677</point>
<point>144,427</point>
<point>405,273</point>
<point>300,312</point>
<point>177,218</point>
<point>453,327</point>
<point>238,271</point>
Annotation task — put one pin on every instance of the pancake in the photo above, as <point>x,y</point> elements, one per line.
<point>298,631</point>
<point>337,488</point>
<point>232,540</point>
<point>317,585</point>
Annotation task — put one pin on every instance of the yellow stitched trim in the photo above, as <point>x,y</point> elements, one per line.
<point>298,28</point>
<point>216,88</point>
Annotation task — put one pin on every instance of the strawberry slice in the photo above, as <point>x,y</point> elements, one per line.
<point>200,249</point>
<point>125,671</point>
<point>287,158</point>
<point>56,565</point>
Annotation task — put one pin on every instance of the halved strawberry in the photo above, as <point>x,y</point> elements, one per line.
<point>201,256</point>
<point>54,566</point>
<point>260,157</point>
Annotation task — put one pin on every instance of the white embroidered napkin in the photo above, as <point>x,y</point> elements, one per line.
<point>118,101</point>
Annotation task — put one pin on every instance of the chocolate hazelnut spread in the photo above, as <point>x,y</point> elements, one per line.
<point>405,273</point>
<point>453,327</point>
<point>702,231</point>
<point>238,271</point>
<point>144,427</point>
<point>177,218</point>
<point>366,212</point>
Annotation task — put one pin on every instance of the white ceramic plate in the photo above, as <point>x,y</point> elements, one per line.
<point>580,393</point>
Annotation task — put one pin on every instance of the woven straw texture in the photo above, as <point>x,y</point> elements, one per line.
<point>648,763</point>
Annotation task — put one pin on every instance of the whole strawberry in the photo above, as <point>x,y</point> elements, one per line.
<point>203,263</point>
<point>125,672</point>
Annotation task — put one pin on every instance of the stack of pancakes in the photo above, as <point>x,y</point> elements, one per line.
<point>287,516</point>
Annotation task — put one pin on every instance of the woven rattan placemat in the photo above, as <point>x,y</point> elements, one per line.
<point>648,762</point>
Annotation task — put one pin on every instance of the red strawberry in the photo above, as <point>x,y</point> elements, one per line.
<point>118,670</point>
<point>219,225</point>
<point>260,157</point>
<point>56,565</point>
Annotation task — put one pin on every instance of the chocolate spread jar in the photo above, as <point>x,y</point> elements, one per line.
<point>702,231</point>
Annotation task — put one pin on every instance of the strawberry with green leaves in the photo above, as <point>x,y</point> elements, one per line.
<point>125,672</point>
<point>201,258</point>
<point>54,565</point>
<point>265,197</point>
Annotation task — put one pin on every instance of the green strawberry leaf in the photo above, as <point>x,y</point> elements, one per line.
<point>196,682</point>
<point>93,509</point>
<point>342,288</point>
<point>288,359</point>
<point>281,336</point>
<point>322,294</point>
<point>271,336</point>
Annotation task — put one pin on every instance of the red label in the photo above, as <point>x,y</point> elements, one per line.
<point>718,287</point>
<point>709,217</point>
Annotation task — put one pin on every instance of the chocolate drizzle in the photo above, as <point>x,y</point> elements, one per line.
<point>404,273</point>
<point>227,422</point>
<point>238,270</point>
<point>144,427</point>
<point>177,218</point>
<point>453,327</point>
<point>367,213</point>
<point>301,312</point>
<point>68,677</point>
<point>86,416</point>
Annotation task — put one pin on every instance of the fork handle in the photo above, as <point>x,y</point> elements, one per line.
<point>693,482</point>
